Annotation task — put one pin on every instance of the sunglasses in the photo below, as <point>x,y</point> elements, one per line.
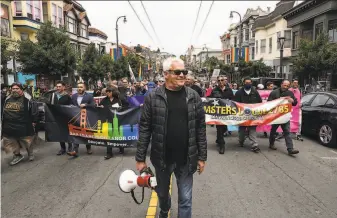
<point>178,72</point>
<point>108,91</point>
<point>161,81</point>
<point>221,80</point>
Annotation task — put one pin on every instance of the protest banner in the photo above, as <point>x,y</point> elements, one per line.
<point>95,126</point>
<point>226,112</point>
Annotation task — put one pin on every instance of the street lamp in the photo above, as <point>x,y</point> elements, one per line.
<point>231,17</point>
<point>280,40</point>
<point>117,54</point>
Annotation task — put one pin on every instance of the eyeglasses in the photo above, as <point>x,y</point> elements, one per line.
<point>178,72</point>
<point>221,80</point>
<point>161,81</point>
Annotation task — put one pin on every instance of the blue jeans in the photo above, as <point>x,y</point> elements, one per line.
<point>184,183</point>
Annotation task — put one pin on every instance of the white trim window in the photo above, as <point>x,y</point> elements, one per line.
<point>84,30</point>
<point>60,16</point>
<point>263,46</point>
<point>5,27</point>
<point>29,8</point>
<point>71,25</point>
<point>18,8</point>
<point>54,14</point>
<point>37,11</point>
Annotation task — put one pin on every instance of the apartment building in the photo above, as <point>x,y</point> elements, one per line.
<point>76,23</point>
<point>99,38</point>
<point>309,19</point>
<point>191,57</point>
<point>242,34</point>
<point>203,54</point>
<point>7,33</point>
<point>267,29</point>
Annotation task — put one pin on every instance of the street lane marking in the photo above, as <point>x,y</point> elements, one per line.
<point>152,209</point>
<point>333,151</point>
<point>329,158</point>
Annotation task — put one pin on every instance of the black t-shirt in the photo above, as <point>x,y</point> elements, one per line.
<point>177,127</point>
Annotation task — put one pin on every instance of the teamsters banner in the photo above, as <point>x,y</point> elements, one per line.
<point>109,127</point>
<point>226,112</point>
<point>95,126</point>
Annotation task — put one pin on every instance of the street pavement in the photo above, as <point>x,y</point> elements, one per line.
<point>237,184</point>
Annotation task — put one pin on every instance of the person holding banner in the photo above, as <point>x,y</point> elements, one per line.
<point>297,109</point>
<point>111,101</point>
<point>224,92</point>
<point>283,91</point>
<point>83,100</point>
<point>248,95</point>
<point>178,131</point>
<point>61,97</point>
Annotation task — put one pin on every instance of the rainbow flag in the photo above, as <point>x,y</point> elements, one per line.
<point>113,52</point>
<point>235,54</point>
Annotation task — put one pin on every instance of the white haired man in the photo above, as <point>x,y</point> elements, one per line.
<point>174,118</point>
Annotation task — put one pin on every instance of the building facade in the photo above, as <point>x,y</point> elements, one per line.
<point>267,29</point>
<point>76,23</point>
<point>7,33</point>
<point>309,19</point>
<point>242,35</point>
<point>99,39</point>
<point>203,54</point>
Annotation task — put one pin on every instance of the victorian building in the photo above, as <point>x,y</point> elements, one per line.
<point>267,29</point>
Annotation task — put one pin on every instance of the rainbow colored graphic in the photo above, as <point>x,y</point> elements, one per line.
<point>113,52</point>
<point>235,54</point>
<point>106,130</point>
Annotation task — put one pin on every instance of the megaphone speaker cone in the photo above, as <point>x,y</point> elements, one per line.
<point>127,181</point>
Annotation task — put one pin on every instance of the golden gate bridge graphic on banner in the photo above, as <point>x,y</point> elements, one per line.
<point>101,130</point>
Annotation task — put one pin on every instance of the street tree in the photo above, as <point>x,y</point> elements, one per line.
<point>51,55</point>
<point>89,67</point>
<point>315,58</point>
<point>5,57</point>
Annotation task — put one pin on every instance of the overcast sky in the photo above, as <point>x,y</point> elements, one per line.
<point>173,21</point>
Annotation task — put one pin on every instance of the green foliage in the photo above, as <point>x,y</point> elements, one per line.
<point>90,66</point>
<point>135,61</point>
<point>254,68</point>
<point>315,58</point>
<point>51,55</point>
<point>211,63</point>
<point>5,55</point>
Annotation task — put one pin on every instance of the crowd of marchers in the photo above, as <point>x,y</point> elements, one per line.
<point>172,120</point>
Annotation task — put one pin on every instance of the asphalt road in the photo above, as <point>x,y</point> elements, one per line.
<point>237,184</point>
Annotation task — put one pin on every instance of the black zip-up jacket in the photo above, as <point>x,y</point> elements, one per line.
<point>153,123</point>
<point>223,94</point>
<point>252,98</point>
<point>64,100</point>
<point>13,124</point>
<point>277,93</point>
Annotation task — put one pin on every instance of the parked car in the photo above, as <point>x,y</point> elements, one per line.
<point>319,116</point>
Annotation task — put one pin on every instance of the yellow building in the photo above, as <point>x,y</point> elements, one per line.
<point>27,17</point>
<point>6,21</point>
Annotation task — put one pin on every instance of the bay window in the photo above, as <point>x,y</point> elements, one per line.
<point>84,31</point>
<point>332,27</point>
<point>287,39</point>
<point>71,25</point>
<point>37,10</point>
<point>263,46</point>
<point>60,16</point>
<point>5,29</point>
<point>18,8</point>
<point>54,14</point>
<point>29,6</point>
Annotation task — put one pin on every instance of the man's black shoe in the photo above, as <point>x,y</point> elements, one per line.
<point>255,149</point>
<point>293,151</point>
<point>272,147</point>
<point>108,156</point>
<point>61,152</point>
<point>222,149</point>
